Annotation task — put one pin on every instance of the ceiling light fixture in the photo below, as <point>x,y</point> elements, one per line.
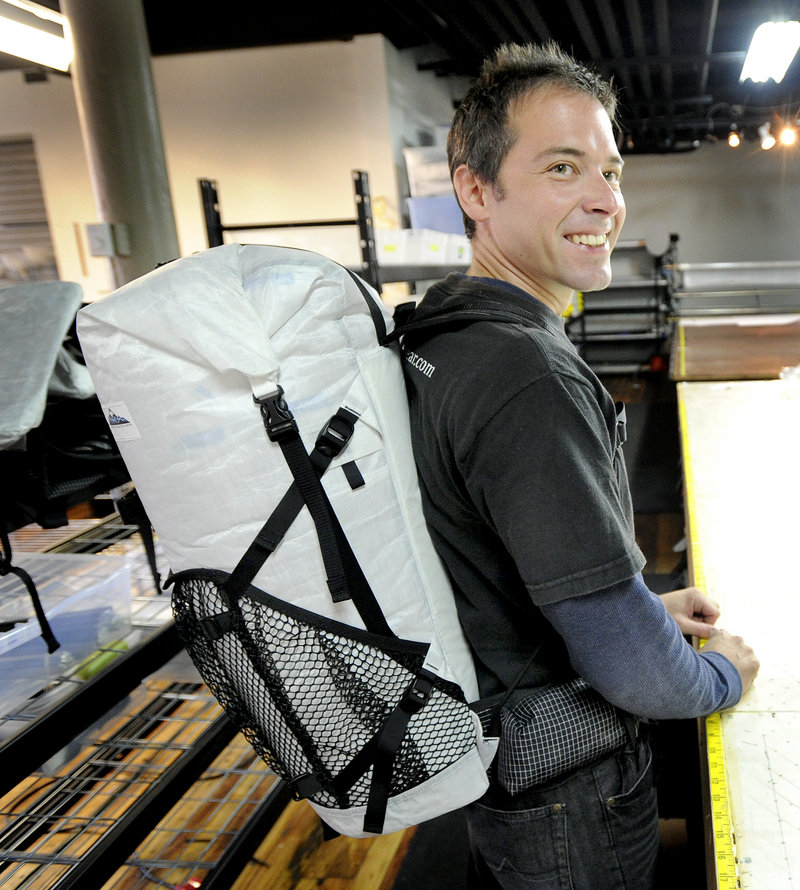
<point>772,49</point>
<point>788,135</point>
<point>35,33</point>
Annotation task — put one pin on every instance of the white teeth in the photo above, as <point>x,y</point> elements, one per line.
<point>591,240</point>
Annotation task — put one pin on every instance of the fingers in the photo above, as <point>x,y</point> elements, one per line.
<point>738,652</point>
<point>697,627</point>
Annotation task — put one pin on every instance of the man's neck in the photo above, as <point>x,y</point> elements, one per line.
<point>489,268</point>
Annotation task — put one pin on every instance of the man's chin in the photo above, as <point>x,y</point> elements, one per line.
<point>595,283</point>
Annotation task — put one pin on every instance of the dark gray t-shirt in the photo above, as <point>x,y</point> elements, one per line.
<point>522,477</point>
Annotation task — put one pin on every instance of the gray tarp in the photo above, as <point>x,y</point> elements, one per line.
<point>34,320</point>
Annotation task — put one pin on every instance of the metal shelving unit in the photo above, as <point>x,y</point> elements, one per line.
<point>369,270</point>
<point>135,776</point>
<point>215,228</point>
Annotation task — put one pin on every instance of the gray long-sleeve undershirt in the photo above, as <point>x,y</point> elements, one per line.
<point>625,644</point>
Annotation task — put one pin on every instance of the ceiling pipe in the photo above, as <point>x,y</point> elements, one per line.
<point>639,48</point>
<point>712,9</point>
<point>615,45</point>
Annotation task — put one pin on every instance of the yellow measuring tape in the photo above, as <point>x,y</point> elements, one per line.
<point>681,353</point>
<point>724,842</point>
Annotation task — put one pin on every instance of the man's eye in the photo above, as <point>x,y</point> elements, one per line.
<point>561,169</point>
<point>613,176</point>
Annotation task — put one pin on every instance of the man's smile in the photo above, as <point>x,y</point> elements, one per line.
<point>589,239</point>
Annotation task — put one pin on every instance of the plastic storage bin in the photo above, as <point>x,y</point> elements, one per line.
<point>87,600</point>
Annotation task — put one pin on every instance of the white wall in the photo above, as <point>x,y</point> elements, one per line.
<point>726,205</point>
<point>279,129</point>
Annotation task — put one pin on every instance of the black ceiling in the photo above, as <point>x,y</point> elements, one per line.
<point>676,62</point>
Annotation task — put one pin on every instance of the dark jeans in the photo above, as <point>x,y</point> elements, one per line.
<point>594,829</point>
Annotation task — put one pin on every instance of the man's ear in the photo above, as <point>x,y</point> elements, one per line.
<point>471,193</point>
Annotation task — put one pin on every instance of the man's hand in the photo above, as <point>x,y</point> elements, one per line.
<point>696,614</point>
<point>693,611</point>
<point>736,651</point>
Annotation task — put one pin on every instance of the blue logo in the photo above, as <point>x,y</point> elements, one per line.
<point>115,419</point>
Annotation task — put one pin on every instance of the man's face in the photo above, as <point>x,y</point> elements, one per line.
<point>558,211</point>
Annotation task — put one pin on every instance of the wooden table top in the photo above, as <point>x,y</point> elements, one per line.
<point>735,347</point>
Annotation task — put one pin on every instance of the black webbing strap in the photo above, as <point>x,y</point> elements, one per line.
<point>379,753</point>
<point>458,312</point>
<point>332,439</point>
<point>265,542</point>
<point>391,737</point>
<point>374,309</point>
<point>6,568</point>
<point>360,592</point>
<point>490,710</point>
<point>281,428</point>
<point>132,512</point>
<point>345,577</point>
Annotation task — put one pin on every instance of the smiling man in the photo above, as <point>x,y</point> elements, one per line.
<point>549,221</point>
<point>519,452</point>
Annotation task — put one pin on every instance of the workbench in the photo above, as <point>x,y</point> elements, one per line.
<point>740,445</point>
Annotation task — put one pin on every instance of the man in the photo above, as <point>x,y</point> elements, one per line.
<point>524,484</point>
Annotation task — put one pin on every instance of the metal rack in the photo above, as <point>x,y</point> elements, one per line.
<point>161,777</point>
<point>215,228</point>
<point>742,288</point>
<point>370,269</point>
<point>115,781</point>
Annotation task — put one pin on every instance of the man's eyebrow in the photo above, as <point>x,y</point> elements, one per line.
<point>571,151</point>
<point>561,150</point>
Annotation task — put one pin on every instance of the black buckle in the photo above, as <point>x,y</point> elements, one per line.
<point>334,436</point>
<point>216,626</point>
<point>417,695</point>
<point>305,786</point>
<point>279,421</point>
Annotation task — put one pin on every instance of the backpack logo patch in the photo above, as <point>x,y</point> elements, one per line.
<point>119,420</point>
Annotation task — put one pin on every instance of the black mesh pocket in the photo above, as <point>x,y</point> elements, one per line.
<point>309,693</point>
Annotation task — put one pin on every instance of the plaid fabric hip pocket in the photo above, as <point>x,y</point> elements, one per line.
<point>555,729</point>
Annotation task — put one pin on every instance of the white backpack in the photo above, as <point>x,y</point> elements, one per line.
<point>262,414</point>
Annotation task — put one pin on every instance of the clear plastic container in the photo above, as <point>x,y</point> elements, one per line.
<point>87,601</point>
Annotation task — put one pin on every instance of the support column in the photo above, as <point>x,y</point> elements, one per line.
<point>115,95</point>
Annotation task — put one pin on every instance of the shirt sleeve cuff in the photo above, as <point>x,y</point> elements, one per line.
<point>729,676</point>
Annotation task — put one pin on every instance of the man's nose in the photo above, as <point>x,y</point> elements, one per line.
<point>603,197</point>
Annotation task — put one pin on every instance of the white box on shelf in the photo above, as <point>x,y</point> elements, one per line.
<point>391,246</point>
<point>459,250</point>
<point>421,247</point>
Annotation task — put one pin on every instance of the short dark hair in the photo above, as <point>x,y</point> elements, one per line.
<point>480,135</point>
